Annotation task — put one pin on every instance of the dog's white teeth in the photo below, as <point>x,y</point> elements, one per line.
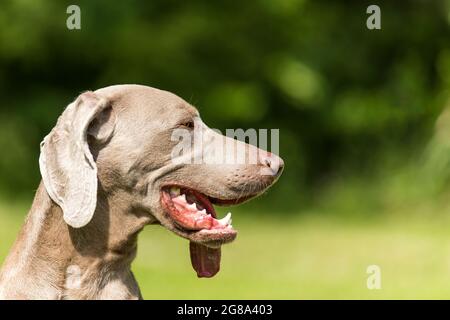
<point>192,206</point>
<point>174,191</point>
<point>203,211</point>
<point>225,220</point>
<point>182,198</point>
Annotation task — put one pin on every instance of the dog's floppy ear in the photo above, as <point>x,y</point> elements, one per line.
<point>67,166</point>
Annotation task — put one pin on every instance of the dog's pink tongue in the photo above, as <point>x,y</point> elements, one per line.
<point>205,260</point>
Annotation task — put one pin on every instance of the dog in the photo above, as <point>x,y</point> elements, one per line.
<point>108,169</point>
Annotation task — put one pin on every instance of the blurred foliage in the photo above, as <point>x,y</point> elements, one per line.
<point>347,100</point>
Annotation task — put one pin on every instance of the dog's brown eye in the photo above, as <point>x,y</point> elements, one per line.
<point>188,124</point>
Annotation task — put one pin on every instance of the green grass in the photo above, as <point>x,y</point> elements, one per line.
<point>311,256</point>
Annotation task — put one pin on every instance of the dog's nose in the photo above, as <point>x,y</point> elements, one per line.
<point>273,164</point>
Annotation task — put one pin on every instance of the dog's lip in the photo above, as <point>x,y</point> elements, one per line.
<point>215,198</point>
<point>209,237</point>
<point>231,202</point>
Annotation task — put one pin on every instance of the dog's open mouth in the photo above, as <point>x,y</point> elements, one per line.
<point>191,210</point>
<point>193,216</point>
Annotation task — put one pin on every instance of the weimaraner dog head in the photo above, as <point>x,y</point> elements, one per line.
<point>127,138</point>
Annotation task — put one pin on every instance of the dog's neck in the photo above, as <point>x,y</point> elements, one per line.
<point>52,260</point>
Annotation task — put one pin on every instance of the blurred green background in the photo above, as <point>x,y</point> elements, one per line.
<point>364,131</point>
